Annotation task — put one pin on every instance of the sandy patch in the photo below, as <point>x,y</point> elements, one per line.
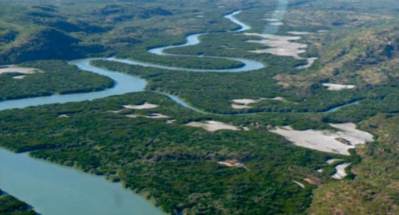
<point>240,107</point>
<point>232,164</point>
<point>312,180</point>
<point>247,103</point>
<point>322,31</point>
<point>171,121</point>
<point>149,116</point>
<point>299,33</point>
<point>284,46</point>
<point>132,116</point>
<point>116,111</point>
<point>350,132</point>
<point>156,116</point>
<point>341,171</point>
<point>244,103</point>
<point>339,142</point>
<point>213,126</point>
<point>278,98</point>
<point>333,161</point>
<point>309,63</point>
<point>63,116</point>
<point>338,87</point>
<point>272,20</point>
<point>278,23</point>
<point>19,77</point>
<point>18,70</point>
<point>144,106</point>
<point>299,184</point>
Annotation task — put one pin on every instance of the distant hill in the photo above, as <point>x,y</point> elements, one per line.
<point>48,43</point>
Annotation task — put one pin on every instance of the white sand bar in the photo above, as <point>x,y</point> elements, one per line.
<point>341,171</point>
<point>338,142</point>
<point>299,33</point>
<point>309,63</point>
<point>332,161</point>
<point>278,98</point>
<point>238,107</point>
<point>284,46</point>
<point>144,106</point>
<point>15,69</point>
<point>272,20</point>
<point>338,87</point>
<point>231,163</point>
<point>276,23</point>
<point>157,116</point>
<point>244,103</point>
<point>299,184</point>
<point>19,77</point>
<point>63,116</point>
<point>350,132</point>
<point>150,116</point>
<point>213,126</point>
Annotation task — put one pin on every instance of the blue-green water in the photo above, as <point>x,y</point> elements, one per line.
<point>123,84</point>
<point>57,190</point>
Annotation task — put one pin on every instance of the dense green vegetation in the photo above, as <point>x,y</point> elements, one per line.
<point>12,206</point>
<point>173,164</point>
<point>214,92</point>
<point>185,61</point>
<point>51,77</point>
<point>73,29</point>
<point>176,165</point>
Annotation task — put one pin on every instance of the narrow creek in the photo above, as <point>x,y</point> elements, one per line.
<point>192,40</point>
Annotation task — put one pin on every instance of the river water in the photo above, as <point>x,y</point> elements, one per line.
<point>57,190</point>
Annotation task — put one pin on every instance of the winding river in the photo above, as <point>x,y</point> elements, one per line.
<point>124,83</point>
<point>57,190</point>
<point>192,40</point>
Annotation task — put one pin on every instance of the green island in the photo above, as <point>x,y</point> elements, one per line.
<point>47,78</point>
<point>11,206</point>
<point>270,140</point>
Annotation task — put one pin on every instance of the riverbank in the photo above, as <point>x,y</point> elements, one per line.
<point>54,189</point>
